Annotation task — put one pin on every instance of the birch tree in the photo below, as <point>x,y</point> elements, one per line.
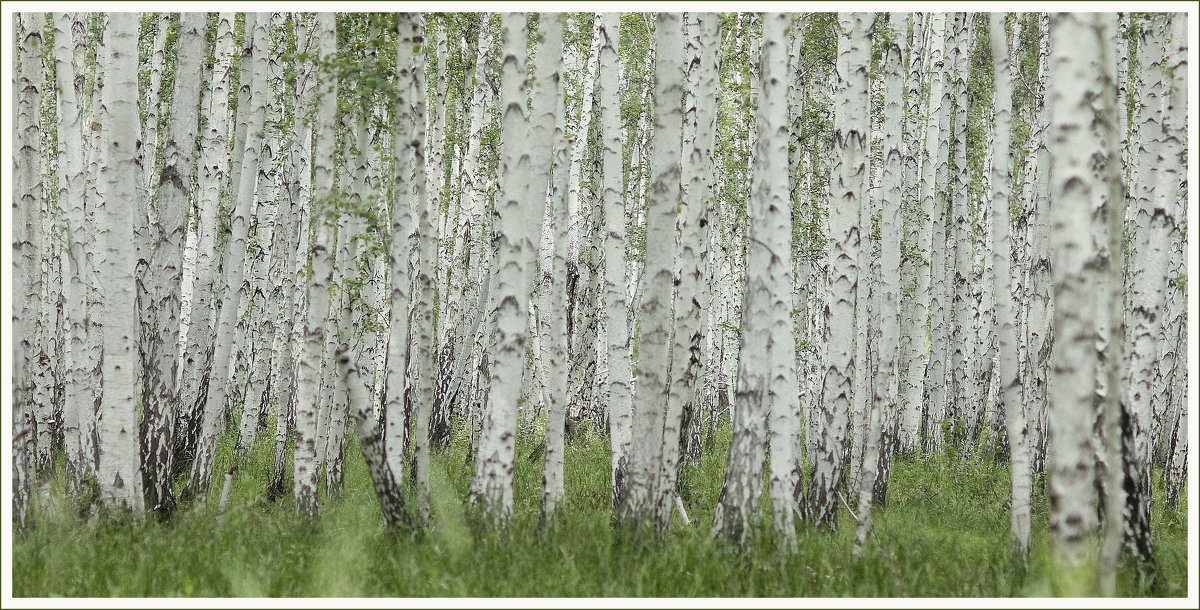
<point>517,223</point>
<point>1006,318</point>
<point>620,387</point>
<point>1073,82</point>
<point>174,186</point>
<point>308,365</point>
<point>767,395</point>
<point>658,277</point>
<point>887,376</point>
<point>118,467</point>
<point>847,190</point>
<point>197,349</point>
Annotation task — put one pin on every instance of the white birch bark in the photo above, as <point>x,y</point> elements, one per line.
<point>1006,316</point>
<point>548,124</point>
<point>517,227</point>
<point>234,271</point>
<point>308,364</point>
<point>400,255</point>
<point>767,395</point>
<point>888,282</point>
<point>26,202</point>
<point>118,464</point>
<point>848,187</point>
<point>658,277</point>
<point>166,264</point>
<point>426,251</point>
<point>80,385</point>
<point>620,374</point>
<point>1153,222</point>
<point>1072,84</point>
<point>197,349</point>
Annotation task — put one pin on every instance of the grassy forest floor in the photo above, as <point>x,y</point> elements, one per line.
<point>943,532</point>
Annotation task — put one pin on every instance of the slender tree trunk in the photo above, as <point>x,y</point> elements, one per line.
<point>308,365</point>
<point>118,465</point>
<point>848,188</point>
<point>517,225</point>
<point>1154,193</point>
<point>27,196</point>
<point>1006,317</point>
<point>166,265</point>
<point>548,124</point>
<point>426,270</point>
<point>767,396</point>
<point>888,283</point>
<point>658,277</point>
<point>197,351</point>
<point>620,387</point>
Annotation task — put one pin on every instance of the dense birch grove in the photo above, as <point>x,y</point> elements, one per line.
<point>844,238</point>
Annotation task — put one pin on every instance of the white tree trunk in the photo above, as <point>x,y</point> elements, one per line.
<point>620,374</point>
<point>517,225</point>
<point>166,264</point>
<point>658,276</point>
<point>548,124</point>
<point>767,395</point>
<point>888,281</point>
<point>1006,316</point>
<point>308,365</point>
<point>848,188</point>
<point>118,466</point>
<point>1073,83</point>
<point>197,350</point>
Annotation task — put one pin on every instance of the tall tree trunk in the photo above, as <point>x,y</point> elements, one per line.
<point>1154,194</point>
<point>427,251</point>
<point>118,465</point>
<point>26,201</point>
<point>80,385</point>
<point>1073,83</point>
<point>767,395</point>
<point>548,124</point>
<point>848,188</point>
<point>308,365</point>
<point>888,282</point>
<point>517,225</point>
<point>1006,317</point>
<point>197,349</point>
<point>658,277</point>
<point>620,386</point>
<point>234,270</point>
<point>174,187</point>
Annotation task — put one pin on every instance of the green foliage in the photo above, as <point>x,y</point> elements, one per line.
<point>943,532</point>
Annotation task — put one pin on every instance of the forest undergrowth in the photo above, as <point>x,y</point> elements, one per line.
<point>943,531</point>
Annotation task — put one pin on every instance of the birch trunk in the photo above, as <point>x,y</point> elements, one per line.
<point>118,465</point>
<point>767,395</point>
<point>620,373</point>
<point>426,270</point>
<point>234,270</point>
<point>547,125</point>
<point>1073,82</point>
<point>26,202</point>
<point>658,278</point>
<point>308,365</point>
<point>80,384</point>
<point>1154,193</point>
<point>1006,316</point>
<point>166,265</point>
<point>517,225</point>
<point>890,223</point>
<point>197,350</point>
<point>847,191</point>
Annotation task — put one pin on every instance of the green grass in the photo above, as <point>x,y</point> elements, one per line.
<point>944,532</point>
